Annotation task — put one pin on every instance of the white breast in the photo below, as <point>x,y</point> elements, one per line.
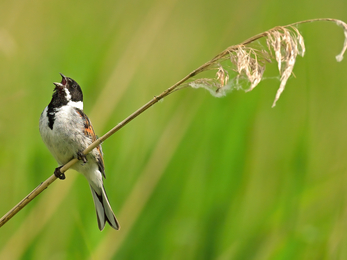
<point>67,137</point>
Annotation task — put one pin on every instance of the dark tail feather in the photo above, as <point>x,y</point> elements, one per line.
<point>103,209</point>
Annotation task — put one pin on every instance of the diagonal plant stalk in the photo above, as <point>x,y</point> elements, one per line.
<point>246,63</point>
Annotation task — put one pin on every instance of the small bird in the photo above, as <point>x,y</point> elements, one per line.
<point>67,131</point>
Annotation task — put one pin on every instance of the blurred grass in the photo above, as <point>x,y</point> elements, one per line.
<point>194,177</point>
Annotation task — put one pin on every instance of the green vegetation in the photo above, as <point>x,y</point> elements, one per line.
<point>194,177</point>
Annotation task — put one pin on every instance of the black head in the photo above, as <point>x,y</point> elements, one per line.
<point>66,91</point>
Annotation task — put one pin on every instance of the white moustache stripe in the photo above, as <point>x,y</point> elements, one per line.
<point>68,96</point>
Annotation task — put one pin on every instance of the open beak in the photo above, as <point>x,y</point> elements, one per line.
<point>63,82</point>
<point>63,79</point>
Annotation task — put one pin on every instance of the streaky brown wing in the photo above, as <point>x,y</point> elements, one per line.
<point>89,131</point>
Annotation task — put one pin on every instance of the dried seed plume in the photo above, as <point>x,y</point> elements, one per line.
<point>242,64</point>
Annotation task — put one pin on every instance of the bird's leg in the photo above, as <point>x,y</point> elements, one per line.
<point>58,173</point>
<point>81,156</point>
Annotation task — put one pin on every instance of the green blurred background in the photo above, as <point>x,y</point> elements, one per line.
<point>195,177</point>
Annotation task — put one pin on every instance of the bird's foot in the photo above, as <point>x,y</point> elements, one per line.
<point>58,173</point>
<point>81,156</point>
